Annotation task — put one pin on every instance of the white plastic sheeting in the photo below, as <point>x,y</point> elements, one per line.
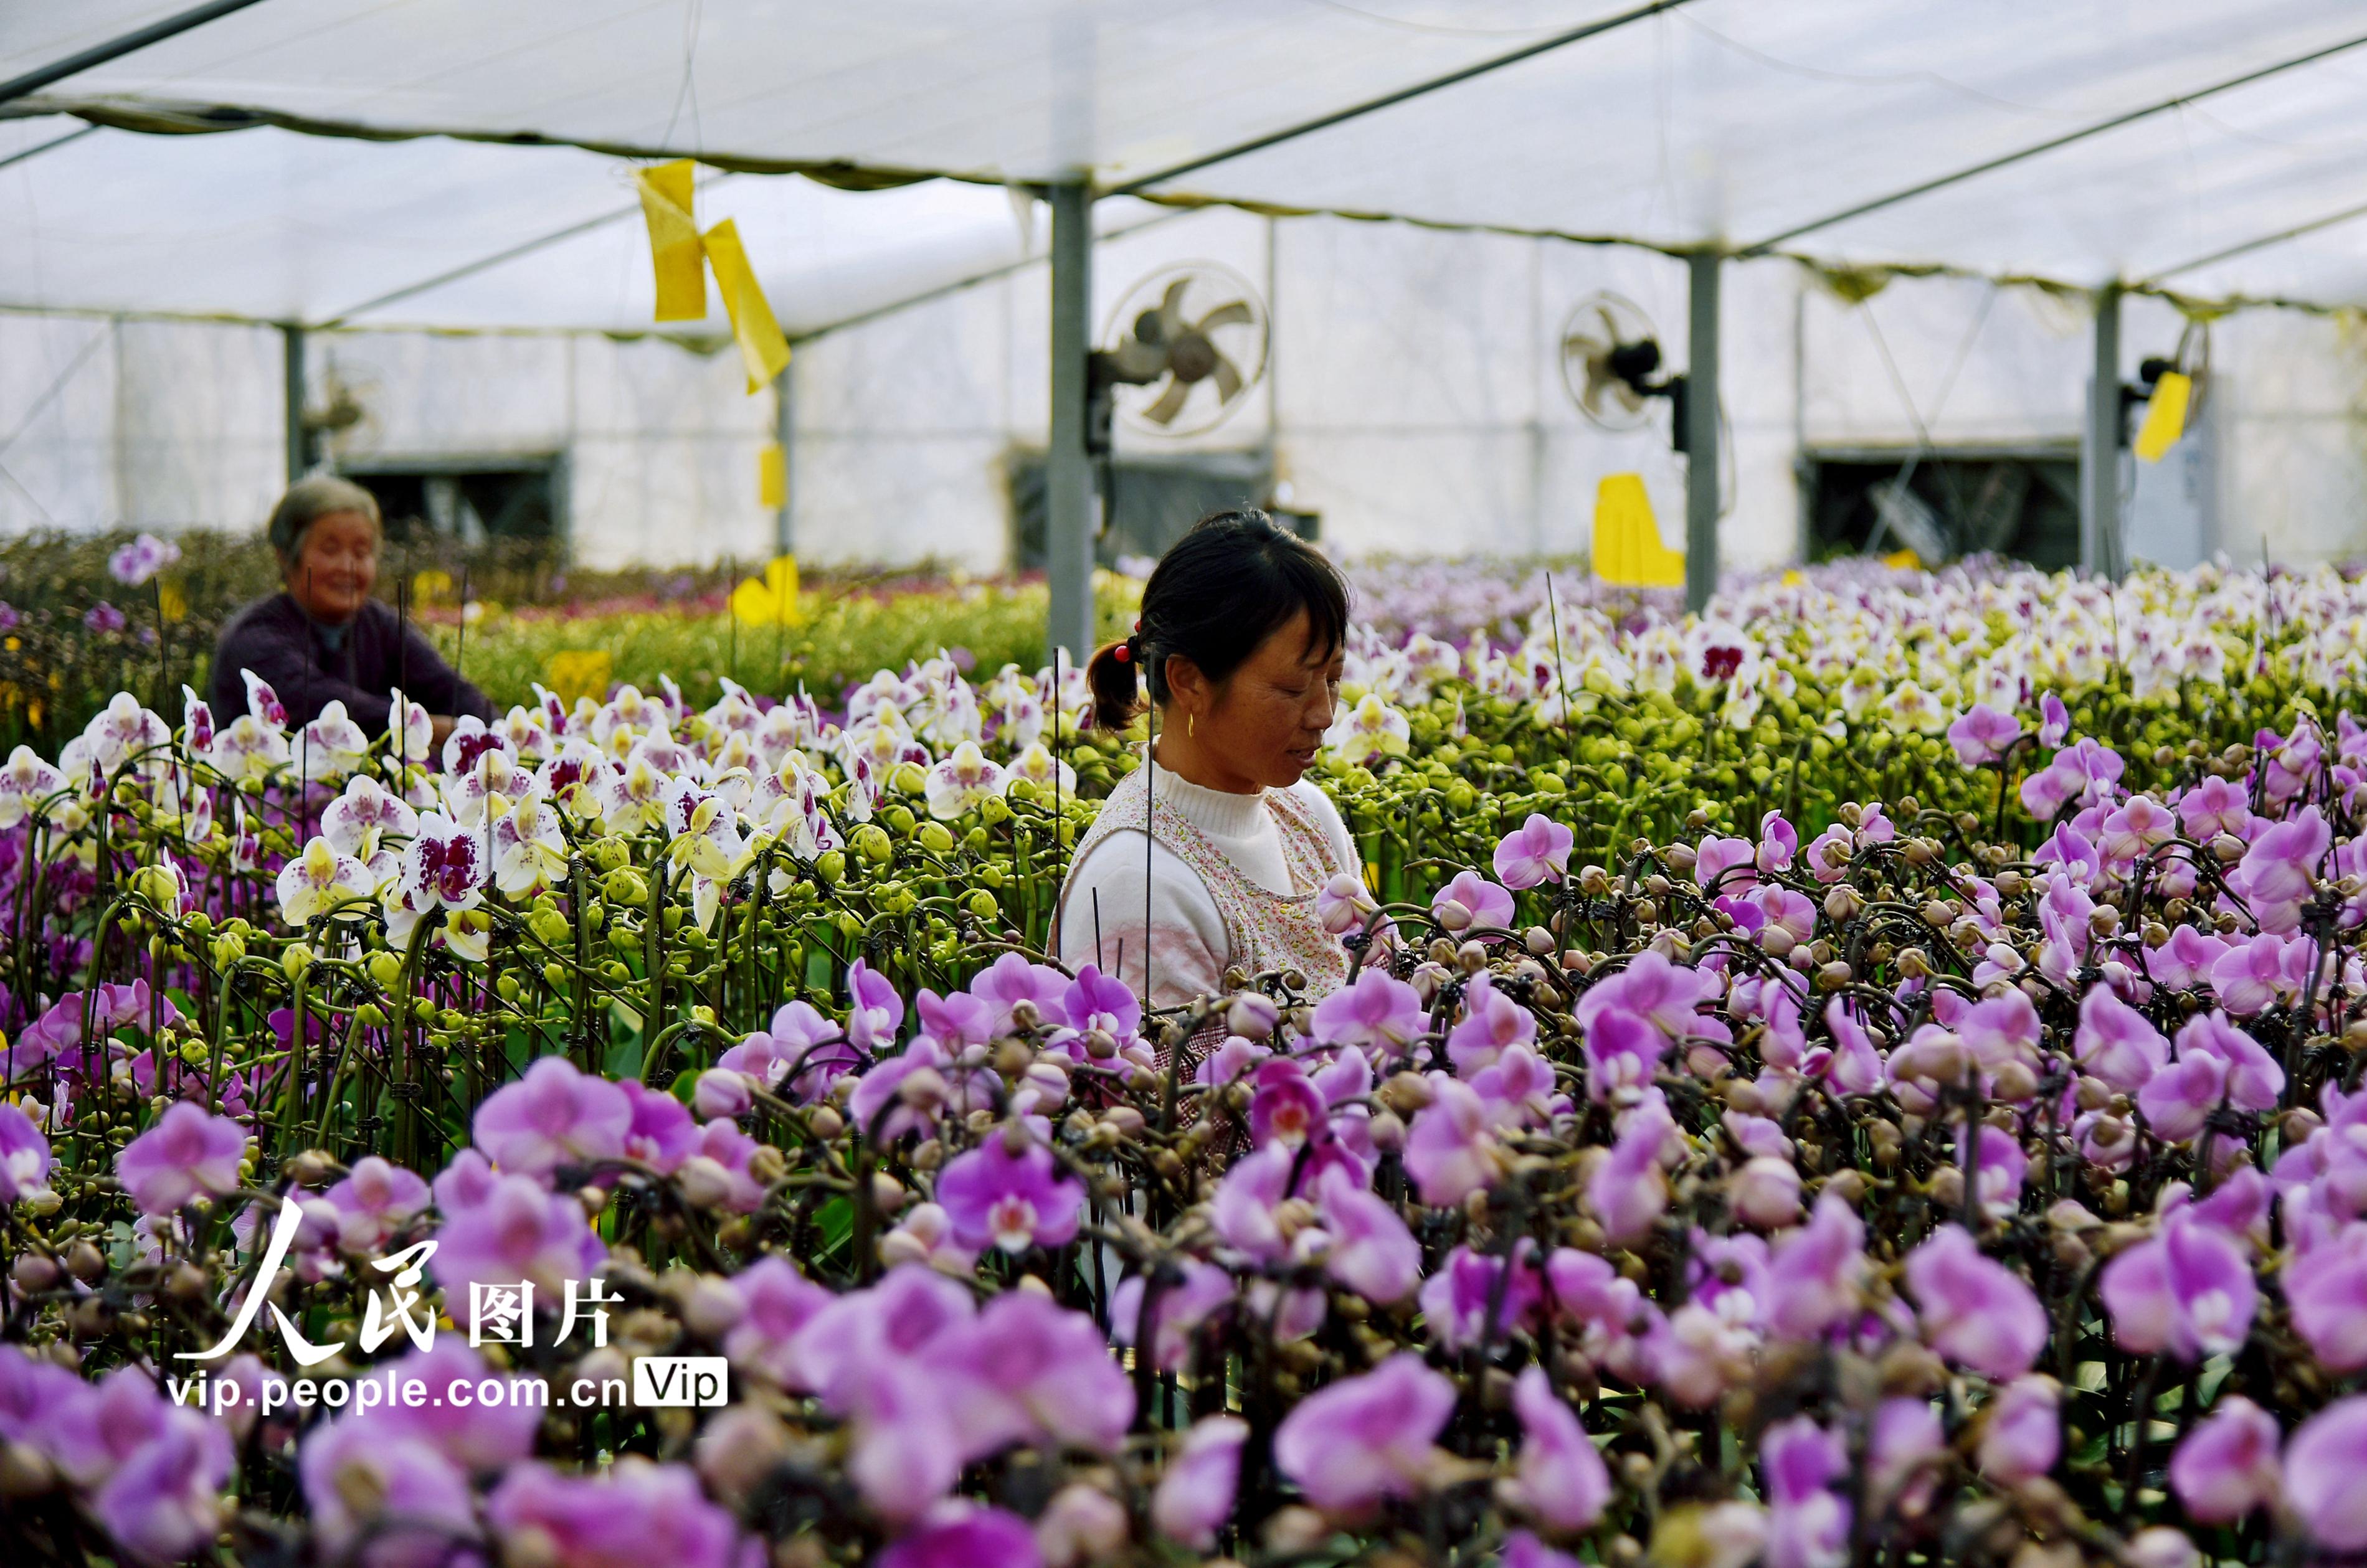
<point>270,225</point>
<point>2119,138</point>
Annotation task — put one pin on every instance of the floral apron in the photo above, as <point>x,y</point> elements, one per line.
<point>1262,929</point>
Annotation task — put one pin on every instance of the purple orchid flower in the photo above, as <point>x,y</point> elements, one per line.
<point>1195,1496</point>
<point>1563,1482</point>
<point>2227,1465</point>
<point>555,1114</point>
<point>1975,1310</point>
<point>1013,1201</point>
<point>184,1154</point>
<point>1983,735</point>
<point>1363,1440</point>
<point>1535,853</point>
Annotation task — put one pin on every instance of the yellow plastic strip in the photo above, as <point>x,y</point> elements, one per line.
<point>674,249</point>
<point>762,350</point>
<point>2165,419</point>
<point>772,476</point>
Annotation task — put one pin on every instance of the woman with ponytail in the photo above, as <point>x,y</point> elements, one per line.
<point>1210,855</point>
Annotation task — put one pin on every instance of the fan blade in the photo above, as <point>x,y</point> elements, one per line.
<point>1599,376</point>
<point>1170,404</point>
<point>1233,313</point>
<point>1228,381</point>
<point>1138,362</point>
<point>1170,309</point>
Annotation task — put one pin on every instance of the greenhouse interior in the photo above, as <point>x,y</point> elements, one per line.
<point>1272,783</point>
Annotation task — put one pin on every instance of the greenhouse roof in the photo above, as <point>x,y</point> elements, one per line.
<point>2213,150</point>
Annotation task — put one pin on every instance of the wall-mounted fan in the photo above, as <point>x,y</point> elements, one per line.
<point>339,415</point>
<point>1182,350</point>
<point>1609,359</point>
<point>1610,365</point>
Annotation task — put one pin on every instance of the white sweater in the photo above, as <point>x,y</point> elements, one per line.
<point>1136,890</point>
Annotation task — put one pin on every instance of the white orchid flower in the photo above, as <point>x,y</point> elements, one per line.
<point>25,781</point>
<point>319,881</point>
<point>704,829</point>
<point>573,777</point>
<point>410,733</point>
<point>491,773</point>
<point>962,781</point>
<point>123,731</point>
<point>249,749</point>
<point>632,797</point>
<point>1372,728</point>
<point>530,850</point>
<point>1039,767</point>
<point>359,820</point>
<point>332,745</point>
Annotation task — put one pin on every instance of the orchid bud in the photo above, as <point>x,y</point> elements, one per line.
<point>721,1094</point>
<point>710,1306</point>
<point>739,1451</point>
<point>1252,1015</point>
<point>1451,914</point>
<point>1765,1193</point>
<point>922,1088</point>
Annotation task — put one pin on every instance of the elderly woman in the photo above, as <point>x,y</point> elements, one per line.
<point>1211,855</point>
<point>323,639</point>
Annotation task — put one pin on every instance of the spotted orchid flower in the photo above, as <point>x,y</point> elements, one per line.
<point>445,866</point>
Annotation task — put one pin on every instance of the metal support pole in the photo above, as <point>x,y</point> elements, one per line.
<point>116,47</point>
<point>300,442</point>
<point>1701,434</point>
<point>784,426</point>
<point>2099,444</point>
<point>1069,500</point>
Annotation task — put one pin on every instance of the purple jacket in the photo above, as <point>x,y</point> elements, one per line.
<point>275,640</point>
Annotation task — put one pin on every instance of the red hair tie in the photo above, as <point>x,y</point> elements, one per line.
<point>1122,653</point>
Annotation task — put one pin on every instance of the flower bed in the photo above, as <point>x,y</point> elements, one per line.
<point>1871,1076</point>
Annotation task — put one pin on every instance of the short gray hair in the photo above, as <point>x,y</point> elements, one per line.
<point>309,499</point>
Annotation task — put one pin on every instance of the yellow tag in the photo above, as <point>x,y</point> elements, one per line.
<point>1903,560</point>
<point>772,476</point>
<point>1371,877</point>
<point>579,673</point>
<point>674,249</point>
<point>762,349</point>
<point>770,600</point>
<point>431,585</point>
<point>172,600</point>
<point>1627,548</point>
<point>1792,578</point>
<point>2165,419</point>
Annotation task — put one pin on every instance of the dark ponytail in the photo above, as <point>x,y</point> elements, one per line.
<point>1219,593</point>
